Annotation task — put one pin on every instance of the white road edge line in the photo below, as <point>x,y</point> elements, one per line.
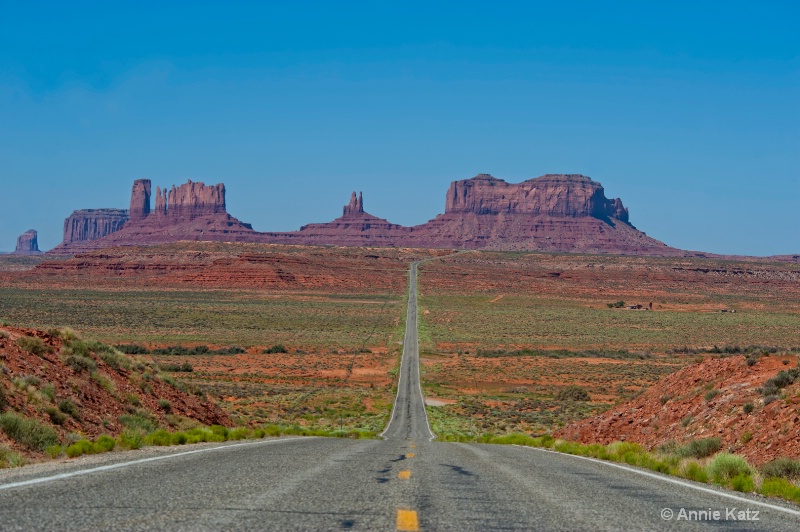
<point>119,465</point>
<point>671,480</point>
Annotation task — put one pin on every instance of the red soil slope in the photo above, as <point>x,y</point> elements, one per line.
<point>680,408</point>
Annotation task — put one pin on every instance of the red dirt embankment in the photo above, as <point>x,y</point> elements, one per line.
<point>684,407</point>
<point>31,384</point>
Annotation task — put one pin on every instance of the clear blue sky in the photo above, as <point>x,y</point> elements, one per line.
<point>688,111</point>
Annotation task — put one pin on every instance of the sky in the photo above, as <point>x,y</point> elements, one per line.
<point>688,111</point>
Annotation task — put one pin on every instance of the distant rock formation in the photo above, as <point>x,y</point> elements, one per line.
<point>355,207</point>
<point>355,227</point>
<point>140,200</point>
<point>554,213</point>
<point>91,224</point>
<point>558,195</point>
<point>28,243</point>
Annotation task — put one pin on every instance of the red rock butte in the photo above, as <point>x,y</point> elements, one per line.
<point>554,212</point>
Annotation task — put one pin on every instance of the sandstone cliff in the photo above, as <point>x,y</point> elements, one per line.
<point>140,200</point>
<point>28,243</point>
<point>559,195</point>
<point>90,224</point>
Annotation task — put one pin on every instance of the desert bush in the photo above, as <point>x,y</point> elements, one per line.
<point>616,304</point>
<point>160,437</point>
<point>9,458</point>
<point>133,349</point>
<point>780,487</point>
<point>27,431</point>
<point>694,471</point>
<point>80,362</point>
<point>185,367</point>
<point>783,379</point>
<point>165,405</point>
<point>137,422</point>
<point>115,359</point>
<point>68,407</point>
<point>572,393</point>
<point>782,468</point>
<point>54,451</point>
<point>699,448</point>
<point>131,439</point>
<point>105,382</point>
<point>79,448</point>
<point>746,437</point>
<point>277,348</point>
<point>56,416</point>
<point>711,394</point>
<point>748,408</point>
<point>685,422</point>
<point>104,444</point>
<point>32,345</point>
<point>3,398</point>
<point>724,467</point>
<point>771,398</point>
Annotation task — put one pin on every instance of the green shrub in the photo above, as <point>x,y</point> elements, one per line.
<point>277,348</point>
<point>780,487</point>
<point>32,345</point>
<point>79,448</point>
<point>694,471</point>
<point>3,398</point>
<point>699,448</point>
<point>27,431</point>
<point>744,483</point>
<point>160,437</point>
<point>115,359</point>
<point>56,416</point>
<point>80,362</point>
<point>239,433</point>
<point>104,444</point>
<point>748,408</point>
<point>572,393</point>
<point>221,431</point>
<point>165,405</point>
<point>725,466</point>
<point>133,349</point>
<point>711,394</point>
<point>782,468</point>
<point>131,439</point>
<point>137,422</point>
<point>9,458</point>
<point>54,451</point>
<point>68,407</point>
<point>685,422</point>
<point>179,438</point>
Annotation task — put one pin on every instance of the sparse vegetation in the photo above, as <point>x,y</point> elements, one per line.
<point>277,348</point>
<point>572,393</point>
<point>27,431</point>
<point>32,345</point>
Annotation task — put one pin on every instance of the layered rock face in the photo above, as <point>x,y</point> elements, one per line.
<point>554,212</point>
<point>140,200</point>
<point>192,211</point>
<point>559,195</point>
<point>91,224</point>
<point>28,243</point>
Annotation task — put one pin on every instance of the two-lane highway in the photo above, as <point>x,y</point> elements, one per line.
<point>406,481</point>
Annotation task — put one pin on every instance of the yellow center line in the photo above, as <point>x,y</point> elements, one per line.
<point>404,474</point>
<point>407,520</point>
<point>410,455</point>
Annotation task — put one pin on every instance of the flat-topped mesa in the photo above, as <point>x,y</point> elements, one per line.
<point>28,243</point>
<point>559,195</point>
<point>355,207</point>
<point>140,200</point>
<point>90,224</point>
<point>190,201</point>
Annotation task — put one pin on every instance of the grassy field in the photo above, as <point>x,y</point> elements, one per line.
<point>210,316</point>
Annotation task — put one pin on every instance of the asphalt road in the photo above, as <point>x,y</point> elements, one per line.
<point>405,481</point>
